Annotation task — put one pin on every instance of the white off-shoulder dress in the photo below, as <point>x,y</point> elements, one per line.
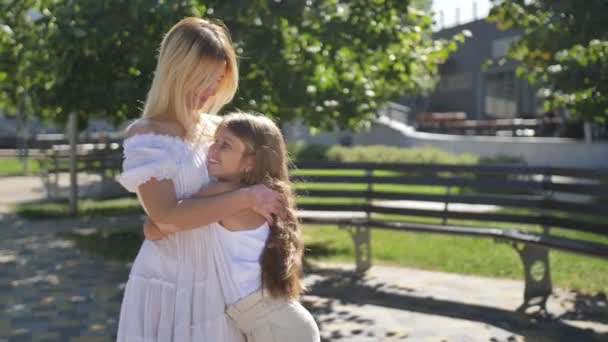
<point>173,292</point>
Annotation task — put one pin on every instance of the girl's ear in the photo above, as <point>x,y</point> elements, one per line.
<point>248,163</point>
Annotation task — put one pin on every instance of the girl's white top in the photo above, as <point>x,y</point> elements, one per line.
<point>239,252</point>
<point>173,292</point>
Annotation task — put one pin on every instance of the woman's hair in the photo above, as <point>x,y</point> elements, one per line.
<point>191,57</point>
<point>281,259</point>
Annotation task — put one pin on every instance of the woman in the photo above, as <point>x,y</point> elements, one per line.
<point>173,292</point>
<point>259,263</point>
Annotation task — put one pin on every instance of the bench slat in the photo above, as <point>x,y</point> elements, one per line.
<point>572,245</point>
<point>477,169</point>
<point>517,201</point>
<point>496,184</point>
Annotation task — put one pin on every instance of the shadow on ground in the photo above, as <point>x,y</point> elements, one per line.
<point>347,287</point>
<point>120,245</point>
<point>338,285</point>
<point>588,307</point>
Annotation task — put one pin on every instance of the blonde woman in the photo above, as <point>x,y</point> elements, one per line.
<point>262,261</point>
<point>173,292</point>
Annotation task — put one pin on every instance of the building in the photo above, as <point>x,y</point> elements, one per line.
<point>467,86</point>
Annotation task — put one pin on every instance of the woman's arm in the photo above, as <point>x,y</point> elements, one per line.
<point>171,215</point>
<point>216,189</point>
<point>152,231</point>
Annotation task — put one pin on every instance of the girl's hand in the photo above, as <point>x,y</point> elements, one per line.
<point>266,201</point>
<point>151,230</point>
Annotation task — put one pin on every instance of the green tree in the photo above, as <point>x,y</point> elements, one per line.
<point>330,62</point>
<point>326,61</point>
<point>564,47</point>
<point>22,66</point>
<point>98,55</point>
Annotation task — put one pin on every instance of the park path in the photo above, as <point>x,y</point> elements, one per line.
<point>63,279</point>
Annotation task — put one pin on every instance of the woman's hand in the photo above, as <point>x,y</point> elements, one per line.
<point>152,231</point>
<point>266,201</point>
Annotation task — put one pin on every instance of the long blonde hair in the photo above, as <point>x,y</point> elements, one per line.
<point>281,259</point>
<point>191,57</point>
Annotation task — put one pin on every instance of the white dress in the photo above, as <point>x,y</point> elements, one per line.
<point>173,292</point>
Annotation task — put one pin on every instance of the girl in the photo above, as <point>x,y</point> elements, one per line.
<point>263,261</point>
<point>173,292</point>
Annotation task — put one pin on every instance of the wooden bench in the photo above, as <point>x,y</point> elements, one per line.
<point>102,158</point>
<point>536,204</point>
<point>438,122</point>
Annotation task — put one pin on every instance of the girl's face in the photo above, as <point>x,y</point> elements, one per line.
<point>228,158</point>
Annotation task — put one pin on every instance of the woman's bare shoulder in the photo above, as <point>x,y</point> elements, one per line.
<point>147,125</point>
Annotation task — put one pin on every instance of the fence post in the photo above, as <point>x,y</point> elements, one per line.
<point>368,193</point>
<point>22,134</point>
<point>73,132</point>
<point>361,232</point>
<point>446,204</point>
<point>56,168</point>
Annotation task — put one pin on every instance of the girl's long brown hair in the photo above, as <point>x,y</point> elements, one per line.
<point>281,259</point>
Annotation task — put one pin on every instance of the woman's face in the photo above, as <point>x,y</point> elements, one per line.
<point>205,93</point>
<point>228,158</point>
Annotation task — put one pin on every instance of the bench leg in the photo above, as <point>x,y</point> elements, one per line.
<point>538,279</point>
<point>363,252</point>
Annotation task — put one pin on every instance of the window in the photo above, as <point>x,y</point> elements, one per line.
<point>500,46</point>
<point>457,81</point>
<point>500,95</point>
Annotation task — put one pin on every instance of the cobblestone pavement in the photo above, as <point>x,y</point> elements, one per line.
<point>62,280</point>
<point>53,291</point>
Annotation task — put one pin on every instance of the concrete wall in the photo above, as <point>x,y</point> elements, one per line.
<point>557,152</point>
<point>377,134</point>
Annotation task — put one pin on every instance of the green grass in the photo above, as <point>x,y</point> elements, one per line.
<point>14,167</point>
<point>456,254</point>
<point>59,209</point>
<point>446,253</point>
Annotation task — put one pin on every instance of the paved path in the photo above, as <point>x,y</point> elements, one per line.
<point>392,303</point>
<point>62,280</point>
<point>19,189</point>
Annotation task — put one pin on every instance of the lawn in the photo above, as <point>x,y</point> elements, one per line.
<point>446,253</point>
<point>457,254</point>
<point>465,255</point>
<point>87,207</point>
<point>14,167</point>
